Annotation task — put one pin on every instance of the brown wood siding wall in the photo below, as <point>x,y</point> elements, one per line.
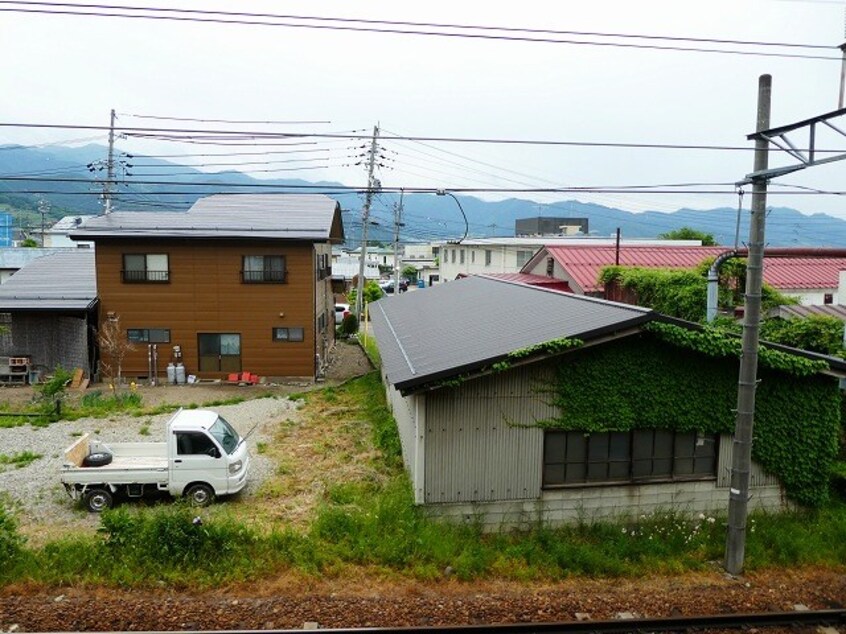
<point>205,295</point>
<point>324,303</point>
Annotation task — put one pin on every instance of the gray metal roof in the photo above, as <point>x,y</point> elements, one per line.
<point>790,311</point>
<point>432,334</point>
<point>276,216</point>
<point>62,281</point>
<point>19,257</point>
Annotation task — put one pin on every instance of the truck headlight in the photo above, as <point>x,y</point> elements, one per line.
<point>235,467</point>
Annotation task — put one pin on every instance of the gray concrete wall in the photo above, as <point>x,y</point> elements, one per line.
<point>49,339</point>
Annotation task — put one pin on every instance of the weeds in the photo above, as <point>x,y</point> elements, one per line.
<point>19,460</point>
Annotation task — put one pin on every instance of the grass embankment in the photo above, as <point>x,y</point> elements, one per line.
<point>353,508</point>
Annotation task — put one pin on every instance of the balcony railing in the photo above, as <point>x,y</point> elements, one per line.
<point>145,276</point>
<point>263,277</point>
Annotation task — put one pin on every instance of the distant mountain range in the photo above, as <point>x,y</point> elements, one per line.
<point>425,216</point>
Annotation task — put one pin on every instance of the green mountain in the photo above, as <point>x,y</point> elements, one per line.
<point>76,175</point>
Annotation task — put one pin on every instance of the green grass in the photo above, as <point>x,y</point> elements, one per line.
<point>370,349</point>
<point>372,523</point>
<point>19,460</point>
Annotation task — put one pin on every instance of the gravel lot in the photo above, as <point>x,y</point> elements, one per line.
<point>40,498</point>
<point>44,509</point>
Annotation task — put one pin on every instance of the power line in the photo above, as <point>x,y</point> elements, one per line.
<point>186,15</point>
<point>211,154</point>
<point>138,131</point>
<point>236,121</point>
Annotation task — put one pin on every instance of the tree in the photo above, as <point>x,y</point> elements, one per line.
<point>689,233</point>
<point>372,292</point>
<point>114,347</point>
<point>29,242</point>
<point>409,273</point>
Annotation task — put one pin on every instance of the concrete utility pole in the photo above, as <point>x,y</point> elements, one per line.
<point>747,383</point>
<point>365,218</point>
<point>397,224</point>
<point>110,167</point>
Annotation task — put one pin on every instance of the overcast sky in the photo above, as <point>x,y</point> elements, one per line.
<point>63,69</point>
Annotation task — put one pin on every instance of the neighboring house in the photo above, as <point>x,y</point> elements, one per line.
<point>13,259</point>
<point>345,268</point>
<point>50,309</point>
<point>236,283</point>
<point>516,404</point>
<point>510,255</point>
<point>382,256</point>
<point>59,234</point>
<point>812,280</point>
<point>425,260</point>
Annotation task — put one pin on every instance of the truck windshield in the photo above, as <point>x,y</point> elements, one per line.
<point>225,434</point>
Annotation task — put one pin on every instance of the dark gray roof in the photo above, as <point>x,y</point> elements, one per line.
<point>62,281</point>
<point>277,216</point>
<point>432,334</point>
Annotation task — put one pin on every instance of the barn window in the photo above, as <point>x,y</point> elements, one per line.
<point>633,456</point>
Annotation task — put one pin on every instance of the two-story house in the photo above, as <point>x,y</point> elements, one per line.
<point>238,283</point>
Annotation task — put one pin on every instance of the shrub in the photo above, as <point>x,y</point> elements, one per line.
<point>349,325</point>
<point>11,542</point>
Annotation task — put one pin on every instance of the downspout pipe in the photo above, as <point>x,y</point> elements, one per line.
<point>714,283</point>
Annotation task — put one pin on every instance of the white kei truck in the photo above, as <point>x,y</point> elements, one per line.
<point>202,457</point>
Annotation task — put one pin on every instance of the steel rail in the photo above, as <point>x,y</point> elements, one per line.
<point>835,617</point>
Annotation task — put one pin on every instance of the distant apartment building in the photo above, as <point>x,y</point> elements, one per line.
<point>548,226</point>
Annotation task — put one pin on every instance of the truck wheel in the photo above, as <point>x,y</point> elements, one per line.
<point>97,500</point>
<point>97,459</point>
<point>200,495</point>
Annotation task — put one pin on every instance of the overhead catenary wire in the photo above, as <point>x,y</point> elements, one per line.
<point>392,28</point>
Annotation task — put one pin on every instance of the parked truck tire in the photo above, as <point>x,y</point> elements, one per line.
<point>97,459</point>
<point>97,500</point>
<point>199,494</point>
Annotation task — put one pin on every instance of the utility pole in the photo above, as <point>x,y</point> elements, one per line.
<point>842,63</point>
<point>747,382</point>
<point>43,208</point>
<point>110,167</point>
<point>397,224</point>
<point>365,218</point>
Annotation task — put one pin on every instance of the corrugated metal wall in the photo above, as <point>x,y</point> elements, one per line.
<point>475,447</point>
<point>757,476</point>
<point>49,339</point>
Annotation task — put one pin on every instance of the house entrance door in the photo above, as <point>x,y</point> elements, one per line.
<point>220,352</point>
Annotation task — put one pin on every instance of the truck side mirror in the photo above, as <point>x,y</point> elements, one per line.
<point>213,452</point>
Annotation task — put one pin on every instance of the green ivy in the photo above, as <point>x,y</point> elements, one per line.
<point>716,343</point>
<point>549,347</point>
<point>797,415</point>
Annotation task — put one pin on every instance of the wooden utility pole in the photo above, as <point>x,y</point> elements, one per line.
<point>742,446</point>
<point>365,219</point>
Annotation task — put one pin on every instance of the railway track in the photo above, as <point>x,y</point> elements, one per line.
<point>715,622</point>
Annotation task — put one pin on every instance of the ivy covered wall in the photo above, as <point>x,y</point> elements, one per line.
<point>645,382</point>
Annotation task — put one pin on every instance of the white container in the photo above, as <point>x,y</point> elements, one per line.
<point>180,374</point>
<point>171,373</point>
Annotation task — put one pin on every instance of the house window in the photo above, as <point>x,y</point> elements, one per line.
<point>453,256</point>
<point>488,257</point>
<point>259,269</point>
<point>288,334</point>
<point>145,267</point>
<point>550,267</point>
<point>322,320</point>
<point>324,268</point>
<point>523,257</point>
<point>473,256</point>
<point>635,456</point>
<point>461,253</point>
<point>828,298</point>
<point>148,335</point>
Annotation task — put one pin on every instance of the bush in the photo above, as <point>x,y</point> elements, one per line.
<point>349,325</point>
<point>55,386</point>
<point>11,542</point>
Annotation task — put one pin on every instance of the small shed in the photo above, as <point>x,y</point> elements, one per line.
<point>49,308</point>
<point>516,404</point>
